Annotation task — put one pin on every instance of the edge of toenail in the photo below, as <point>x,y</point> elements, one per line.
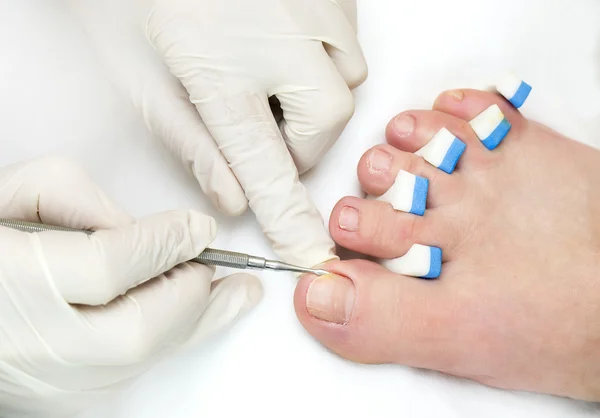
<point>456,95</point>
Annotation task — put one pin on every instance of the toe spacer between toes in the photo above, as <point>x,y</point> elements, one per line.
<point>515,90</point>
<point>421,261</point>
<point>491,127</point>
<point>407,194</point>
<point>443,151</point>
<point>435,264</point>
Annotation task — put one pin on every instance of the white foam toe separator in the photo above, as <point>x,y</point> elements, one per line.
<point>443,151</point>
<point>407,194</point>
<point>420,261</point>
<point>515,90</point>
<point>491,126</point>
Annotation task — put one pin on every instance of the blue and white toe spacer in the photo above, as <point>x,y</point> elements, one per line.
<point>443,151</point>
<point>407,194</point>
<point>420,261</point>
<point>491,127</point>
<point>515,90</point>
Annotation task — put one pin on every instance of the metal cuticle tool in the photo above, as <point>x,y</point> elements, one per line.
<point>209,256</point>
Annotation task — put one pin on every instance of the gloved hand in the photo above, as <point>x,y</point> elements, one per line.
<point>81,316</point>
<point>205,89</point>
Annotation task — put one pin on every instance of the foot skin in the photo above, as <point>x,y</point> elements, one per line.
<point>517,305</point>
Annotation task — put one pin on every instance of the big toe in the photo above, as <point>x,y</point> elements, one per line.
<point>369,315</point>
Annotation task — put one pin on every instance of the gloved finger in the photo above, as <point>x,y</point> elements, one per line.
<point>316,108</point>
<point>230,298</point>
<point>248,136</point>
<point>177,122</point>
<point>341,43</point>
<point>56,190</point>
<point>95,269</point>
<point>165,103</point>
<point>349,8</point>
<point>150,317</point>
<point>170,116</point>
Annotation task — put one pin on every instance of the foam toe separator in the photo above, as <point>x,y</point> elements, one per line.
<point>407,194</point>
<point>420,261</point>
<point>491,126</point>
<point>515,90</point>
<point>443,151</point>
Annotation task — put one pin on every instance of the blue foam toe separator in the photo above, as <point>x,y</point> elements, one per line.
<point>419,202</point>
<point>496,137</point>
<point>454,153</point>
<point>521,95</point>
<point>435,265</point>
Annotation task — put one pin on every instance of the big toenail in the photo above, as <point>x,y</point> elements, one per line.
<point>348,219</point>
<point>331,298</point>
<point>379,161</point>
<point>404,124</point>
<point>457,95</point>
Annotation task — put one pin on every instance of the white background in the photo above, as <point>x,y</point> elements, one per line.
<point>55,99</point>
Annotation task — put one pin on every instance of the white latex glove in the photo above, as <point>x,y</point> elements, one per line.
<point>81,316</point>
<point>202,71</point>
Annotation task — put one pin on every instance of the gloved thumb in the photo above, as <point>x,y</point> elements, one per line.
<point>230,298</point>
<point>350,10</point>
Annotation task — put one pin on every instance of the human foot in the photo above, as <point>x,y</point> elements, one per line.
<point>517,304</point>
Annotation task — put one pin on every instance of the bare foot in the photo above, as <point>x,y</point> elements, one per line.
<point>517,304</point>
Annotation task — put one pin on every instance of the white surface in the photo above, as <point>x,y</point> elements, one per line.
<point>402,193</point>
<point>416,262</point>
<point>53,100</point>
<point>436,149</point>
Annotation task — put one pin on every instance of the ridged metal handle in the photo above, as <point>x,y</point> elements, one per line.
<point>35,227</point>
<point>210,256</point>
<point>222,258</point>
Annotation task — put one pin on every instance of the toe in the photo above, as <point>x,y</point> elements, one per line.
<point>379,168</point>
<point>369,315</point>
<point>438,137</point>
<point>377,229</point>
<point>492,117</point>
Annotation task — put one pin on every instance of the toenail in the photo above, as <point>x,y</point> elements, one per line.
<point>379,161</point>
<point>457,95</point>
<point>331,298</point>
<point>404,124</point>
<point>348,219</point>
